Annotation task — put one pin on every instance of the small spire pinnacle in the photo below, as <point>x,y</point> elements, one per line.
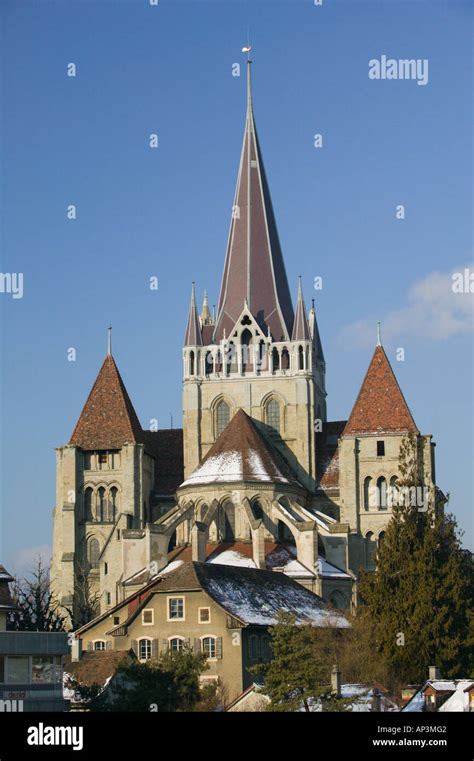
<point>205,313</point>
<point>109,340</point>
<point>379,339</point>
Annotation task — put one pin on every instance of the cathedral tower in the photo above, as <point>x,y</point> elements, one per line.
<point>257,355</point>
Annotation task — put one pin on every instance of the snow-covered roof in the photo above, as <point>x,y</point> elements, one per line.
<point>256,596</point>
<point>242,453</point>
<point>459,700</point>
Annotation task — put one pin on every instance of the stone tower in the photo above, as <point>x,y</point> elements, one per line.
<point>257,354</point>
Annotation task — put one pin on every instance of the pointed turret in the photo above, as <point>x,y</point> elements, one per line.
<point>254,267</point>
<point>205,313</point>
<point>300,326</point>
<point>314,332</point>
<point>380,406</point>
<point>108,419</point>
<point>193,329</point>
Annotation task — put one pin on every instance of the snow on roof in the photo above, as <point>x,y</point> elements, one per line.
<point>170,567</point>
<point>459,700</point>
<point>225,466</point>
<point>327,569</point>
<point>441,685</point>
<point>232,557</point>
<point>416,704</point>
<point>256,596</point>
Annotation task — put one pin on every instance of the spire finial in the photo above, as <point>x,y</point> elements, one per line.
<point>247,50</point>
<point>379,339</point>
<point>109,340</point>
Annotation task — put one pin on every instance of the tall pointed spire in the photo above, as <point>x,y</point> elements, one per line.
<point>379,338</point>
<point>300,325</point>
<point>254,268</point>
<point>193,335</point>
<point>314,331</point>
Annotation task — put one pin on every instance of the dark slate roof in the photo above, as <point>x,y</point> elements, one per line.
<point>166,446</point>
<point>380,406</point>
<point>241,453</point>
<point>5,595</point>
<point>254,270</point>
<point>192,336</point>
<point>108,419</point>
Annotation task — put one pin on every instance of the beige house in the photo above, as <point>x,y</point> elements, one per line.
<point>219,610</point>
<point>258,469</point>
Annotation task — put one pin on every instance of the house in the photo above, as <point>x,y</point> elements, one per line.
<point>31,663</point>
<point>96,668</point>
<point>443,695</point>
<point>223,611</point>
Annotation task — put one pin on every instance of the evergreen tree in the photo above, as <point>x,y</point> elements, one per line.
<point>420,595</point>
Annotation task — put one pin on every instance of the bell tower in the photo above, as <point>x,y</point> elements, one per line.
<point>258,354</point>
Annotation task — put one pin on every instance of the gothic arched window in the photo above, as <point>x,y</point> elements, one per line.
<point>381,493</point>
<point>370,550</point>
<point>94,553</point>
<point>191,363</point>
<point>285,359</point>
<point>222,417</point>
<point>367,494</point>
<point>88,504</point>
<point>273,415</point>
<point>300,358</point>
<point>275,359</point>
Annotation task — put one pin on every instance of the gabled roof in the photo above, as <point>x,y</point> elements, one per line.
<point>6,601</point>
<point>241,453</point>
<point>96,667</point>
<point>108,419</point>
<point>193,336</point>
<point>380,406</point>
<point>254,270</point>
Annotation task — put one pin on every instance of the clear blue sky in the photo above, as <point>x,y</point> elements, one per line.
<point>140,213</point>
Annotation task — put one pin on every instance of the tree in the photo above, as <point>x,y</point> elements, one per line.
<point>419,596</point>
<point>85,600</point>
<point>37,608</point>
<point>298,676</point>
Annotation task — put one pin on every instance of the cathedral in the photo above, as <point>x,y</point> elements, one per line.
<point>258,476</point>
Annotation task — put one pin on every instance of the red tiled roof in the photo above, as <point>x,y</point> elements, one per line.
<point>254,269</point>
<point>380,406</point>
<point>108,419</point>
<point>241,453</point>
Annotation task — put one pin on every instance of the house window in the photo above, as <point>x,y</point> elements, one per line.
<point>176,609</point>
<point>102,458</point>
<point>209,646</point>
<point>106,569</point>
<point>18,669</point>
<point>380,448</point>
<point>99,644</point>
<point>273,415</point>
<point>147,617</point>
<point>222,417</point>
<point>254,648</point>
<point>116,620</point>
<point>204,615</point>
<point>176,645</point>
<point>144,649</point>
<point>108,598</point>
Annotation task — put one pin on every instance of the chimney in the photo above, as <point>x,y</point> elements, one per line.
<point>335,681</point>
<point>76,650</point>
<point>434,673</point>
<point>376,700</point>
